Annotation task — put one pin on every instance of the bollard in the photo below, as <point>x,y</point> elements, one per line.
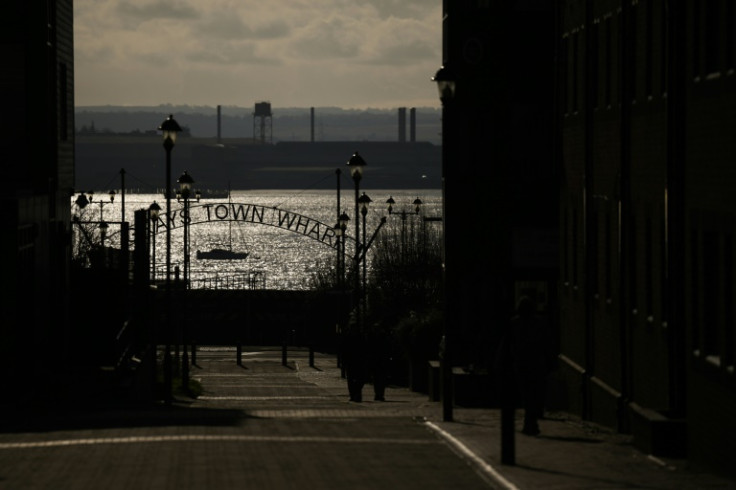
<point>508,450</point>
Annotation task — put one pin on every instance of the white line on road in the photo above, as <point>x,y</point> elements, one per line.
<point>485,469</point>
<point>207,438</point>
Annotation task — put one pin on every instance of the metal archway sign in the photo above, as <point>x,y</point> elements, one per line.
<point>252,213</point>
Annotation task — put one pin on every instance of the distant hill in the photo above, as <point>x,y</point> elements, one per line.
<point>289,124</point>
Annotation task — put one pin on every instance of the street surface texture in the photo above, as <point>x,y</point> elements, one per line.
<point>259,425</point>
<point>266,425</point>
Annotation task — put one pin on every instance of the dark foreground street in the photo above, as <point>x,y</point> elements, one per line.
<point>269,426</point>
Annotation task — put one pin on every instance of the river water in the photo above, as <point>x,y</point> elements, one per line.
<point>287,234</point>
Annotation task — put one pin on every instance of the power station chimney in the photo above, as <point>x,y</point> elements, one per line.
<point>413,125</point>
<point>219,124</point>
<point>311,114</point>
<point>402,124</point>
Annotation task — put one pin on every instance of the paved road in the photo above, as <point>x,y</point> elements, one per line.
<point>262,425</point>
<point>268,426</point>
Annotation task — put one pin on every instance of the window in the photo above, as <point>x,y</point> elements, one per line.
<point>575,74</point>
<point>608,61</point>
<point>711,294</point>
<point>664,44</point>
<point>694,290</point>
<point>712,37</point>
<point>564,50</point>
<point>609,258</point>
<point>696,39</point>
<point>649,266</point>
<point>730,35</point>
<point>63,103</point>
<point>649,49</point>
<point>728,295</point>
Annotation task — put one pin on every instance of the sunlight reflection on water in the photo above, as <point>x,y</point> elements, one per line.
<point>286,259</point>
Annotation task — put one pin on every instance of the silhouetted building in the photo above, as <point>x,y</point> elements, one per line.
<point>37,141</point>
<point>499,171</point>
<point>263,122</point>
<point>645,103</point>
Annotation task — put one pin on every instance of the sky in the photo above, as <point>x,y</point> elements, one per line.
<point>293,53</point>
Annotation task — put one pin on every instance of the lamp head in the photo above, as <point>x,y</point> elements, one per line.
<point>170,128</point>
<point>390,202</point>
<point>364,201</point>
<point>154,210</point>
<point>81,201</point>
<point>356,165</point>
<point>185,184</point>
<point>445,80</point>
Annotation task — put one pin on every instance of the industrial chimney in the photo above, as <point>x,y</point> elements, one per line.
<point>413,125</point>
<point>219,124</point>
<point>402,124</point>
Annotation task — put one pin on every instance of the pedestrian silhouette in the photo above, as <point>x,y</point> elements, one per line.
<point>524,360</point>
<point>355,364</point>
<point>379,364</point>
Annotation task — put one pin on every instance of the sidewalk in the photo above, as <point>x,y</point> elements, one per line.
<point>568,454</point>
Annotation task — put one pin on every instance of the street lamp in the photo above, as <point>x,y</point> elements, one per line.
<point>446,86</point>
<point>103,233</point>
<point>364,201</point>
<point>153,212</point>
<point>390,202</point>
<point>356,164</point>
<point>169,129</point>
<point>81,201</point>
<point>446,83</point>
<point>185,182</point>
<point>343,223</point>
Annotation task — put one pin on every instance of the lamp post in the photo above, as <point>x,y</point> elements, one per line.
<point>185,182</point>
<point>364,201</point>
<point>356,164</point>
<point>446,85</point>
<point>169,128</point>
<point>343,225</point>
<point>417,205</point>
<point>153,212</point>
<point>103,234</point>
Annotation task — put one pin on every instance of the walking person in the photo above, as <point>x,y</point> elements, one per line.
<point>355,364</point>
<point>528,358</point>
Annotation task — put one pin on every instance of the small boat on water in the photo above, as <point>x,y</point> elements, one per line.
<point>221,254</point>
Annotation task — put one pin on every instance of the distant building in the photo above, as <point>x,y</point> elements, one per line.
<point>37,141</point>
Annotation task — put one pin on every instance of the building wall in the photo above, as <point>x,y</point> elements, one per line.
<point>647,93</point>
<point>36,49</point>
<point>710,226</point>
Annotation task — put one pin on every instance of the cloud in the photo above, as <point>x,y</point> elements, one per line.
<point>287,50</point>
<point>135,13</point>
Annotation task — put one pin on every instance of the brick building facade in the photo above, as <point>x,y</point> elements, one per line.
<point>646,92</point>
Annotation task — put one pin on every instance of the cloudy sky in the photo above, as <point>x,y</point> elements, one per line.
<point>293,53</point>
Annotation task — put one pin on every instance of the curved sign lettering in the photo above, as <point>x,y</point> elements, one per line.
<point>252,213</point>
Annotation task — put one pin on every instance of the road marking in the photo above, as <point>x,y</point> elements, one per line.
<point>484,468</point>
<point>262,398</point>
<point>209,438</point>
